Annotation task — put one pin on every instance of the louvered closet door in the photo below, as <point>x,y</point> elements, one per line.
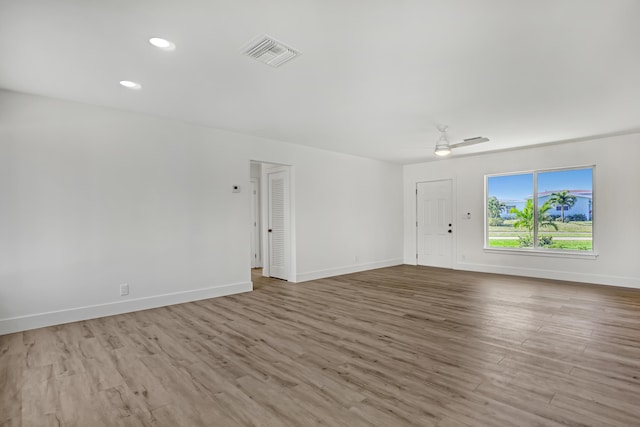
<point>279,225</point>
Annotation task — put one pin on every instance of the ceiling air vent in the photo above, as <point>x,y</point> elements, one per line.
<point>270,51</point>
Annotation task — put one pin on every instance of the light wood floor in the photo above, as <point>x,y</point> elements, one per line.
<point>392,347</point>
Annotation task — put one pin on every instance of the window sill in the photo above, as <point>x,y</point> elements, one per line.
<point>544,253</point>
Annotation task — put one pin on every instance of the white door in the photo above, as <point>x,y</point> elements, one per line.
<point>256,258</point>
<point>434,223</point>
<point>278,223</point>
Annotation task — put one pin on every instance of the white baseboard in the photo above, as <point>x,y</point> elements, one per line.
<point>627,282</point>
<point>321,274</point>
<point>33,321</point>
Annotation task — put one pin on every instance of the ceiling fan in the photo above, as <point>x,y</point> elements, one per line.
<point>444,147</point>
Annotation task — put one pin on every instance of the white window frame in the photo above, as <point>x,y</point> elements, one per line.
<point>561,253</point>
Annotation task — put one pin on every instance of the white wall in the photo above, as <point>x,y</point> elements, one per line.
<point>92,197</point>
<point>616,209</point>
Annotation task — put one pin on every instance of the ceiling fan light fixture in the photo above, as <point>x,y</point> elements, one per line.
<point>442,150</point>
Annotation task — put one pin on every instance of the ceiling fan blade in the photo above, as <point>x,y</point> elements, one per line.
<point>470,141</point>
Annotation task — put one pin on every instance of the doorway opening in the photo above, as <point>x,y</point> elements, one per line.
<point>272,239</point>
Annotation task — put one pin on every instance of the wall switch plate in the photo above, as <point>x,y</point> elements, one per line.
<point>124,289</point>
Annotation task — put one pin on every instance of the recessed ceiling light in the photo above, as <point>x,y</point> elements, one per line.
<point>130,85</point>
<point>162,43</point>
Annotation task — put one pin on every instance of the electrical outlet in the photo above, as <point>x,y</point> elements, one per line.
<point>124,289</point>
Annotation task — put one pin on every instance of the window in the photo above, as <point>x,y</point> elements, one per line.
<point>549,210</point>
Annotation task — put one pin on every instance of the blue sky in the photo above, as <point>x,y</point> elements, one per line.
<point>519,187</point>
<point>578,179</point>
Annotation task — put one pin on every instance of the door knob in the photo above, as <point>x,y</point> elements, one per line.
<point>449,231</point>
<point>270,230</point>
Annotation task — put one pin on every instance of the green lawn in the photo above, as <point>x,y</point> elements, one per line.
<point>574,245</point>
<point>579,230</point>
<point>568,227</point>
<point>503,243</point>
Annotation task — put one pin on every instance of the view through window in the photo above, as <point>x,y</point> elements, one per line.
<point>550,210</point>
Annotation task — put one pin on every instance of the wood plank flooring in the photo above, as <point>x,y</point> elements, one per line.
<point>400,346</point>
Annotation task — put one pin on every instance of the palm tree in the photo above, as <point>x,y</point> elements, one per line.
<point>495,207</point>
<point>524,218</point>
<point>562,199</point>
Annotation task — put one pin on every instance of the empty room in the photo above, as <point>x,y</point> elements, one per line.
<point>339,213</point>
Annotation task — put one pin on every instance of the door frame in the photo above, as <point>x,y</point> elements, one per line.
<point>264,189</point>
<point>454,214</point>
<point>256,256</point>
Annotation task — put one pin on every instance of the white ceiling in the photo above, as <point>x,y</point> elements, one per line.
<point>374,78</point>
